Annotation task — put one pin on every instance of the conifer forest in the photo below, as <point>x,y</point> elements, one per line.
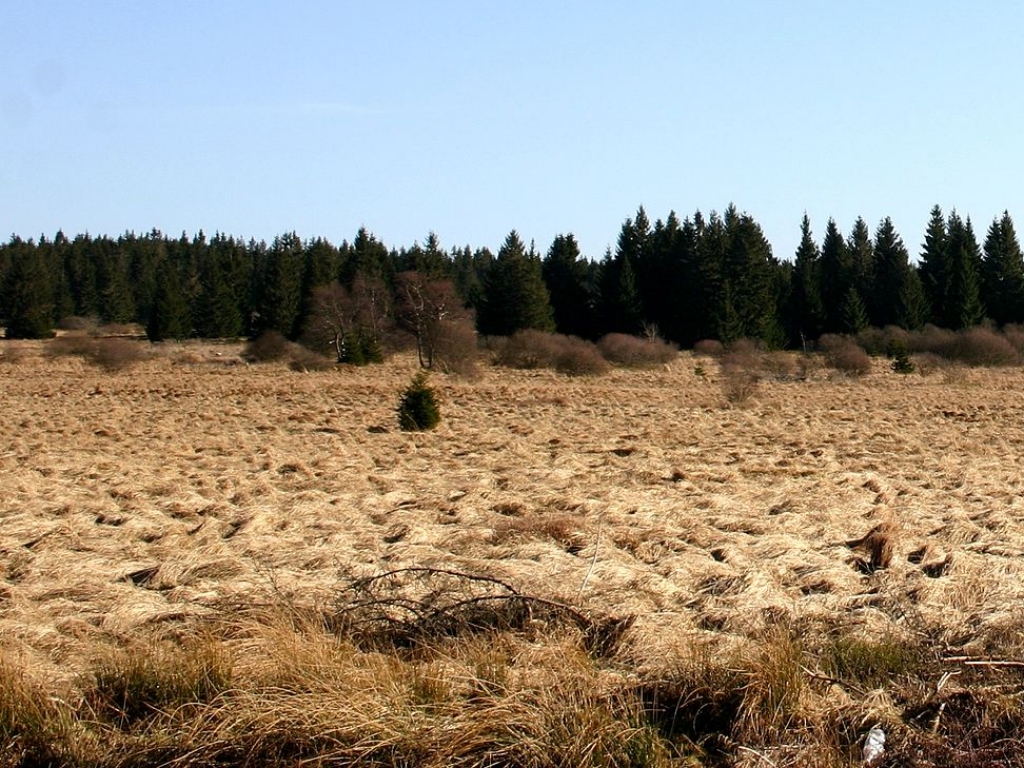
<point>703,277</point>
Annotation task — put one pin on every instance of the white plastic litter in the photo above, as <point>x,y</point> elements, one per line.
<point>874,746</point>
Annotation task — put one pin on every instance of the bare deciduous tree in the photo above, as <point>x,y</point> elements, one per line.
<point>432,311</point>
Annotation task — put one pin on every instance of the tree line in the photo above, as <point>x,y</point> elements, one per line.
<point>703,277</point>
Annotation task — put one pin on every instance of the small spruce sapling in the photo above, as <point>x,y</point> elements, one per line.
<point>900,357</point>
<point>418,409</point>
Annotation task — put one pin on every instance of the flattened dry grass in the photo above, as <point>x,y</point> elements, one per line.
<point>179,544</point>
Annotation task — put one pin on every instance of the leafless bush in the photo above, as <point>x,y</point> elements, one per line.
<point>983,346</point>
<point>781,365</point>
<point>11,353</point>
<point>132,330</point>
<point>843,354</point>
<point>937,341</point>
<point>265,348</point>
<point>117,354</point>
<point>303,359</point>
<point>578,357</point>
<point>739,386</point>
<point>927,363</point>
<point>456,350</point>
<point>77,323</point>
<point>635,352</point>
<point>1015,335</point>
<point>529,349</point>
<point>708,348</point>
<point>879,341</point>
<point>71,345</point>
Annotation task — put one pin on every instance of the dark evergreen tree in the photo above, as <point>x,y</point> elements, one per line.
<point>749,274</point>
<point>933,266</point>
<point>853,314</point>
<point>963,307</point>
<point>1003,272</point>
<point>897,296</point>
<point>514,294</point>
<point>27,292</point>
<point>713,305</point>
<point>808,307</point>
<point>569,281</point>
<point>660,277</point>
<point>369,257</point>
<point>428,260</point>
<point>170,316</point>
<point>279,287</point>
<point>217,312</point>
<point>116,304</point>
<point>860,251</point>
<point>837,279</point>
<point>683,323</point>
<point>620,304</point>
<point>468,270</point>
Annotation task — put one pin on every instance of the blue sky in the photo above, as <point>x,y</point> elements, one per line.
<point>473,118</point>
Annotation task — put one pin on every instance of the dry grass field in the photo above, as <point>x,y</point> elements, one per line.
<point>626,570</point>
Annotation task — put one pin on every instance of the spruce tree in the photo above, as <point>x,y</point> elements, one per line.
<point>897,295</point>
<point>279,287</point>
<point>853,315</point>
<point>808,307</point>
<point>169,316</point>
<point>569,282</point>
<point>963,289</point>
<point>27,293</point>
<point>514,294</point>
<point>934,267</point>
<point>1003,272</point>
<point>837,278</point>
<point>861,254</point>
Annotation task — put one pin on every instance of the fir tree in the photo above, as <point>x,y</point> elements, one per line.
<point>169,316</point>
<point>514,294</point>
<point>569,282</point>
<point>27,293</point>
<point>1003,272</point>
<point>897,295</point>
<point>279,287</point>
<point>934,267</point>
<point>963,307</point>
<point>808,308</point>
<point>837,278</point>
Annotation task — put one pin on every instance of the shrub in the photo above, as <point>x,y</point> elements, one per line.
<point>76,323</point>
<point>928,362</point>
<point>739,385</point>
<point>844,354</point>
<point>304,359</point>
<point>708,348</point>
<point>265,348</point>
<point>1015,335</point>
<point>72,344</point>
<point>457,350</point>
<point>529,349</point>
<point>937,341</point>
<point>578,357</point>
<point>418,409</point>
<point>635,352</point>
<point>741,373</point>
<point>983,346</point>
<point>116,354</point>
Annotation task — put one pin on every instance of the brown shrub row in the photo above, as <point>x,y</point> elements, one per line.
<point>531,349</point>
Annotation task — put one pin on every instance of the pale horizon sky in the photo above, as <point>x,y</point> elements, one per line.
<point>471,119</point>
